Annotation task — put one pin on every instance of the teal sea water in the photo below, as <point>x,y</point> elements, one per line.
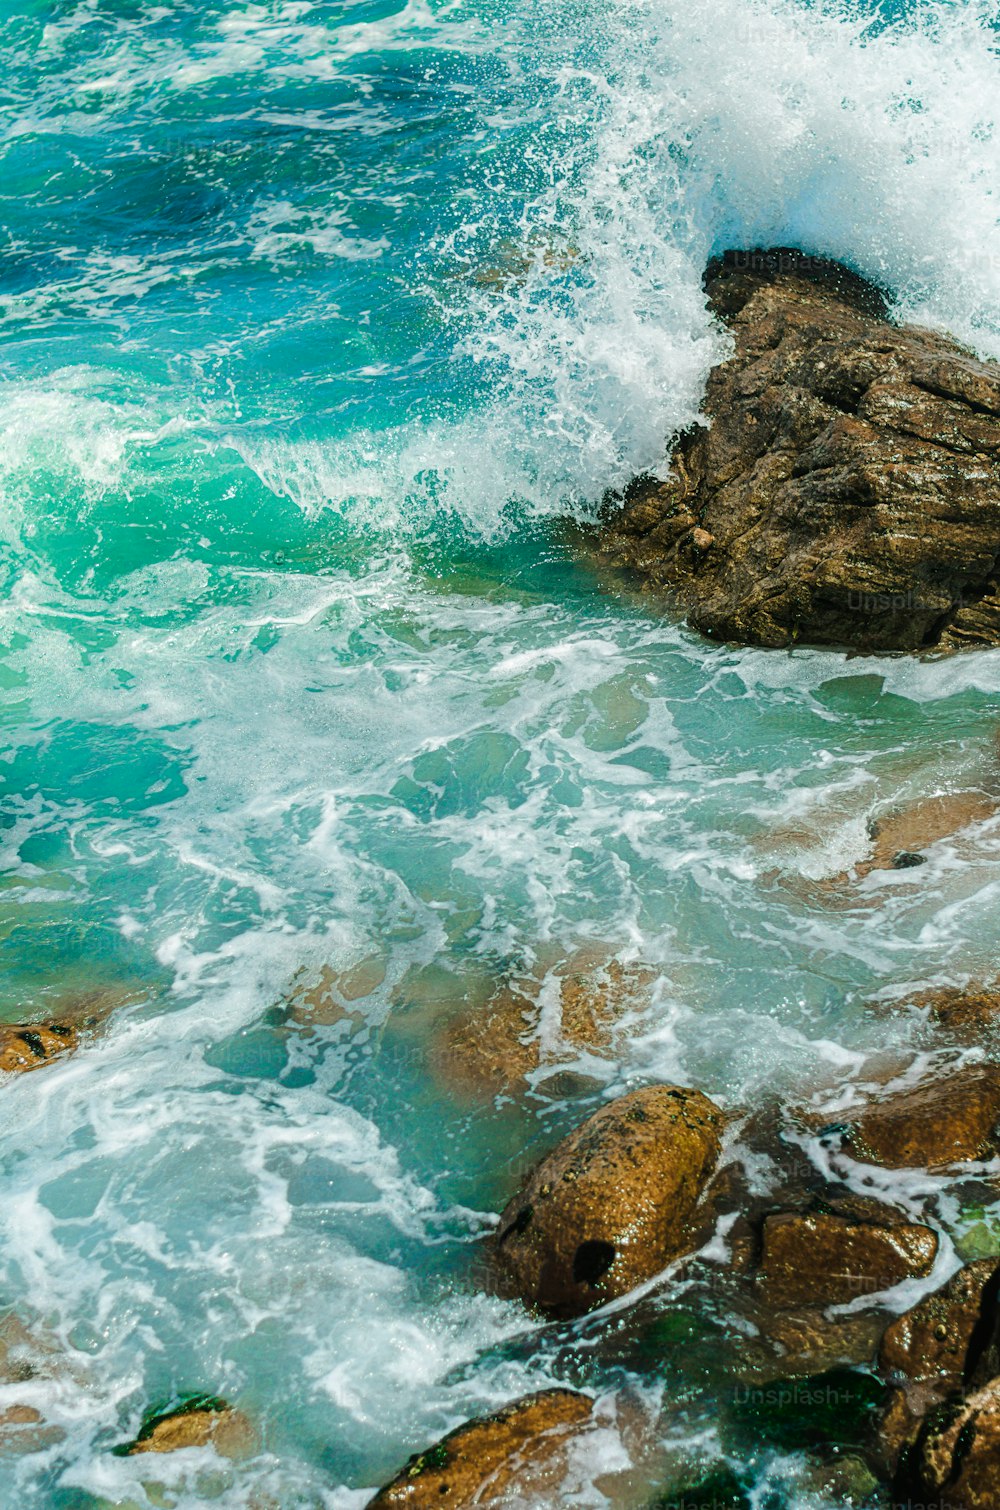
<point>316,322</point>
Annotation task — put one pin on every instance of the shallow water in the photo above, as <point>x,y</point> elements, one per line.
<point>317,319</point>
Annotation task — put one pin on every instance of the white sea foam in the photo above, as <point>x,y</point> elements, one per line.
<point>679,130</point>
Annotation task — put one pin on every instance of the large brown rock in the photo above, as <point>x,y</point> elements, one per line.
<point>612,1204</point>
<point>955,1462</point>
<point>823,1259</point>
<point>951,1120</point>
<point>519,1450</point>
<point>847,488</point>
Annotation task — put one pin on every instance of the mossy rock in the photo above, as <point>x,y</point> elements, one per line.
<point>195,1420</point>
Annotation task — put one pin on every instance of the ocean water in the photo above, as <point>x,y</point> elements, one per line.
<point>317,323</point>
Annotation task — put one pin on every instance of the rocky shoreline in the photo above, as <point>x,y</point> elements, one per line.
<point>654,1185</point>
<point>846,492</point>
<point>838,1286</point>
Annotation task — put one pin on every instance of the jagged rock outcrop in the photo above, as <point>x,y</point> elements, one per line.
<point>847,488</point>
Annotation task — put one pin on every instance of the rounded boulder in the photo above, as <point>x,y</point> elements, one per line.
<point>612,1204</point>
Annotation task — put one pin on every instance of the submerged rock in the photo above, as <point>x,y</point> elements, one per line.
<point>77,1015</point>
<point>899,837</point>
<point>329,998</point>
<point>847,488</point>
<point>519,1449</point>
<point>495,1046</point>
<point>846,1479</point>
<point>955,1462</point>
<point>202,1421</point>
<point>952,1120</point>
<point>25,1357</point>
<point>823,1259</point>
<point>965,1011</point>
<point>28,1046</point>
<point>612,1205</point>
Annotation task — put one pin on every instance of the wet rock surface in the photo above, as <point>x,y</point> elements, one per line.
<point>952,1119</point>
<point>483,1462</point>
<point>200,1422</point>
<point>932,1342</point>
<point>28,1046</point>
<point>847,488</point>
<point>823,1259</point>
<point>900,836</point>
<point>968,1012</point>
<point>611,1205</point>
<point>955,1461</point>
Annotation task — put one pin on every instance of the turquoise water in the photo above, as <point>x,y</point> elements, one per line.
<point>317,322</point>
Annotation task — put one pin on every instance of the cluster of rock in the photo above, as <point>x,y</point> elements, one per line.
<point>642,1183</point>
<point>846,488</point>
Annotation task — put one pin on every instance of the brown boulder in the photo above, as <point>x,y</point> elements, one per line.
<point>822,1259</point>
<point>955,1461</point>
<point>612,1204</point>
<point>847,488</point>
<point>952,1120</point>
<point>28,1046</point>
<point>521,1449</point>
<point>931,1343</point>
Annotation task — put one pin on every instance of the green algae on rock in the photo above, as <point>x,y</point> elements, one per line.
<point>194,1421</point>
